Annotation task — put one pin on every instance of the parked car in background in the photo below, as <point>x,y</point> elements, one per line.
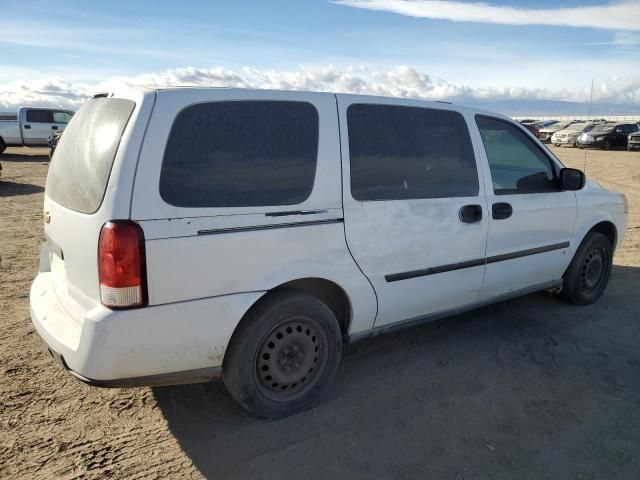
<point>547,131</point>
<point>544,123</point>
<point>532,128</point>
<point>31,127</point>
<point>633,141</point>
<point>608,136</point>
<point>193,233</point>
<point>569,136</point>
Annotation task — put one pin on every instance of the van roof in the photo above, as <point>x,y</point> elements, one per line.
<point>435,103</point>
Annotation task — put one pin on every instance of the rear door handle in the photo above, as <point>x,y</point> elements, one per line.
<point>470,214</point>
<point>27,127</point>
<point>501,210</point>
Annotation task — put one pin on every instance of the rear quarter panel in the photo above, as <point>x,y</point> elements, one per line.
<point>10,132</point>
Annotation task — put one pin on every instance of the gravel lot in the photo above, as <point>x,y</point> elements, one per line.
<point>529,388</point>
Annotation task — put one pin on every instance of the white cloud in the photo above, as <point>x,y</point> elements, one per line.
<point>622,15</point>
<point>401,81</point>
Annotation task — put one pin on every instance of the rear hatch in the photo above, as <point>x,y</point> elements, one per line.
<point>88,185</point>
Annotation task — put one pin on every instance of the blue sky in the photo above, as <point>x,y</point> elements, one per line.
<point>89,43</point>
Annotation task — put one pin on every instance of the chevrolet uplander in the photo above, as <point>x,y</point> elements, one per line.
<point>194,233</point>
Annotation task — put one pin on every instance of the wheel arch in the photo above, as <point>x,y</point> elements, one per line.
<point>327,291</point>
<point>608,229</point>
<point>602,225</point>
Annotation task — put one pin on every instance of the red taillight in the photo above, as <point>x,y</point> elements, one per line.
<point>121,265</point>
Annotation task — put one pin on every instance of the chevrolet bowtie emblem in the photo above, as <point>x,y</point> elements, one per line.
<point>47,216</point>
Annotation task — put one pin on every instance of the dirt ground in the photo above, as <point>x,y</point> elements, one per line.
<point>529,388</point>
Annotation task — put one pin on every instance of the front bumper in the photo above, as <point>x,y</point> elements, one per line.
<point>167,344</point>
<point>590,143</point>
<point>563,141</point>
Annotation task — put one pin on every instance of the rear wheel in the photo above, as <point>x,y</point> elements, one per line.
<point>589,271</point>
<point>283,356</point>
<point>3,146</point>
<point>606,145</point>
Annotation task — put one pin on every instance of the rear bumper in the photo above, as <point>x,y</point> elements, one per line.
<point>200,375</point>
<point>159,345</point>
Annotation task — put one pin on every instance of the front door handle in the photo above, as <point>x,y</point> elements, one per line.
<point>54,127</point>
<point>501,210</point>
<point>470,214</point>
<point>27,127</point>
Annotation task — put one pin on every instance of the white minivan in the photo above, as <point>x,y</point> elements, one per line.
<point>193,233</point>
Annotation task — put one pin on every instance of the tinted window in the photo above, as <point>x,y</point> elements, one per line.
<point>517,164</point>
<point>40,116</point>
<point>61,117</point>
<point>82,161</point>
<point>240,154</point>
<point>401,152</point>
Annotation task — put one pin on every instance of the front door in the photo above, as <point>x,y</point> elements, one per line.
<point>531,221</point>
<point>414,209</point>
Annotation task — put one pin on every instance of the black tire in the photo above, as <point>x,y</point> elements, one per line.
<point>3,146</point>
<point>283,356</point>
<point>589,271</point>
<point>606,145</point>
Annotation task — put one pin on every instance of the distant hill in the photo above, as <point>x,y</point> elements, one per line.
<point>548,107</point>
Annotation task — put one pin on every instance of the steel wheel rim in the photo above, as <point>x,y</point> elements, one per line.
<point>592,271</point>
<point>291,358</point>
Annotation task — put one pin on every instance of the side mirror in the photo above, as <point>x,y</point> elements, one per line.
<point>572,179</point>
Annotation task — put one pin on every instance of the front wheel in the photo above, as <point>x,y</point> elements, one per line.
<point>283,355</point>
<point>589,271</point>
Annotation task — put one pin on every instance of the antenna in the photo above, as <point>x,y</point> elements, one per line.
<point>588,120</point>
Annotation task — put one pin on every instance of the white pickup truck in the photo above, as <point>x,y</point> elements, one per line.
<point>31,127</point>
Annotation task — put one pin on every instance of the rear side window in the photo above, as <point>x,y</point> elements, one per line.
<point>82,161</point>
<point>241,154</point>
<point>40,116</point>
<point>399,152</point>
<point>517,164</point>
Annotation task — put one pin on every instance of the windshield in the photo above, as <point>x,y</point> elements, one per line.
<point>603,128</point>
<point>83,158</point>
